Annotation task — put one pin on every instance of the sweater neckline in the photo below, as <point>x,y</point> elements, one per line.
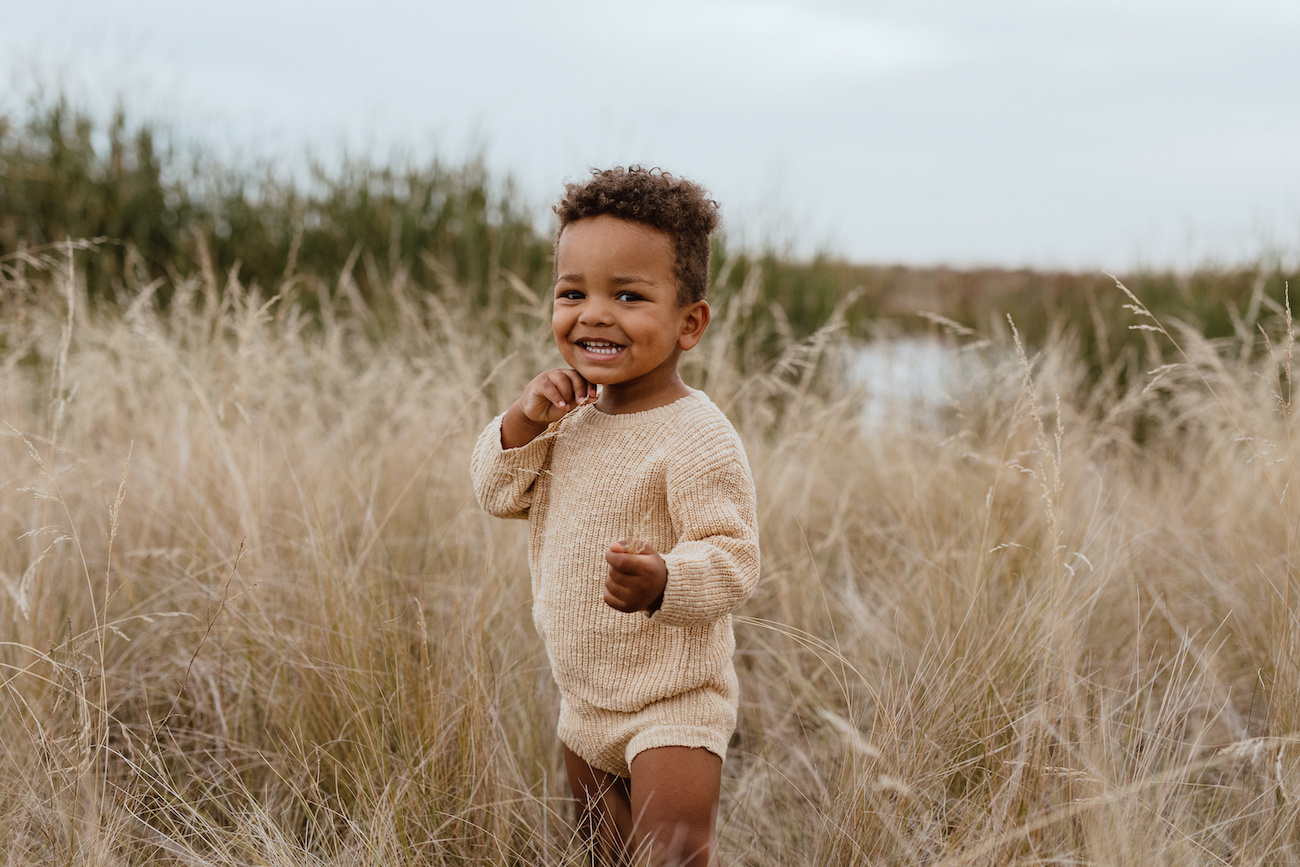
<point>618,420</point>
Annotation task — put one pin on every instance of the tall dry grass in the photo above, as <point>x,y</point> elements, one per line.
<point>252,614</point>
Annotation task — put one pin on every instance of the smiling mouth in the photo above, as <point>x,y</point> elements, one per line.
<point>600,347</point>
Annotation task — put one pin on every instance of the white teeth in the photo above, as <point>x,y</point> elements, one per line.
<point>600,348</point>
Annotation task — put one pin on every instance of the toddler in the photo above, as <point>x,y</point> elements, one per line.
<point>641,516</point>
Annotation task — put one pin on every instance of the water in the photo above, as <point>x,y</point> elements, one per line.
<point>906,380</point>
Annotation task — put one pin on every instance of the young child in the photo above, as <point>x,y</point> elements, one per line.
<point>641,516</point>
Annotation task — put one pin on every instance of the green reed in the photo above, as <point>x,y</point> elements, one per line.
<point>162,210</point>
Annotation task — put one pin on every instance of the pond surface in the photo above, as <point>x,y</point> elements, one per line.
<point>907,380</point>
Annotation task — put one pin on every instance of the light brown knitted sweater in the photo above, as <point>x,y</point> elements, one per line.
<point>674,477</point>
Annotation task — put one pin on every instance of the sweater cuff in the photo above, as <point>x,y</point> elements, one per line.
<point>690,596</point>
<point>526,454</point>
<point>503,478</point>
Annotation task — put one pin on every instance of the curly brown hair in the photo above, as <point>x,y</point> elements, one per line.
<point>652,197</point>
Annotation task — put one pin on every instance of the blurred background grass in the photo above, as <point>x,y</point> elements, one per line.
<point>163,209</point>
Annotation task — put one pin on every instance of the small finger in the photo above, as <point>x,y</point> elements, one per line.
<point>583,391</point>
<point>619,563</point>
<point>552,393</point>
<point>616,603</point>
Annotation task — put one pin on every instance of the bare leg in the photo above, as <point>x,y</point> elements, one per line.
<point>674,802</point>
<point>604,807</point>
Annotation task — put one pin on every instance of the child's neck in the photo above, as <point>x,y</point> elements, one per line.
<point>639,395</point>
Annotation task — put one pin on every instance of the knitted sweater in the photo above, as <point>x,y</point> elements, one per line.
<point>674,477</point>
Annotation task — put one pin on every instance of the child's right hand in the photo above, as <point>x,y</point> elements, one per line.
<point>554,394</point>
<point>548,398</point>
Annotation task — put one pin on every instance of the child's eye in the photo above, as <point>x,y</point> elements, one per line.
<point>569,295</point>
<point>627,296</point>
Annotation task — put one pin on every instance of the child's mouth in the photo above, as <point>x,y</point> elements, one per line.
<point>600,347</point>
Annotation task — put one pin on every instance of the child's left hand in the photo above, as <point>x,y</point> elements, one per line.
<point>636,582</point>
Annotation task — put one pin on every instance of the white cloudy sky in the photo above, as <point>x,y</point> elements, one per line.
<point>1098,134</point>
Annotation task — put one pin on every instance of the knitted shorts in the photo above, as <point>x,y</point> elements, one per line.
<point>608,740</point>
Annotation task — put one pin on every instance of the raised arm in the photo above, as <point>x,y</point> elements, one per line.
<point>504,478</point>
<point>512,450</point>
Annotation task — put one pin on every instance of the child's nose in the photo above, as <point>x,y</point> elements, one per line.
<point>596,311</point>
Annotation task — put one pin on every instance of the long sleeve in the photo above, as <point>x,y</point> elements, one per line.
<point>715,564</point>
<point>504,479</point>
<point>674,477</point>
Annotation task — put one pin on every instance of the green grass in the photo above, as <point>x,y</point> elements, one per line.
<point>352,229</point>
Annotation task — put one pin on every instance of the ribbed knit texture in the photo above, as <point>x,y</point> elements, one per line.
<point>674,477</point>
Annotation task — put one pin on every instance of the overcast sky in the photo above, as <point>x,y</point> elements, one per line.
<point>1052,133</point>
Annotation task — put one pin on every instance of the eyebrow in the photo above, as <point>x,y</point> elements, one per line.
<point>620,280</point>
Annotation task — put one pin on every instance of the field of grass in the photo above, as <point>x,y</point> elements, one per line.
<point>251,613</point>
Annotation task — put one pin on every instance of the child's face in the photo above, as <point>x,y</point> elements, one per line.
<point>616,318</point>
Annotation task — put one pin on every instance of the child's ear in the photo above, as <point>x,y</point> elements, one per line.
<point>695,318</point>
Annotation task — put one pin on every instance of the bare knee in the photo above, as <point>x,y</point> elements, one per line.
<point>676,842</point>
